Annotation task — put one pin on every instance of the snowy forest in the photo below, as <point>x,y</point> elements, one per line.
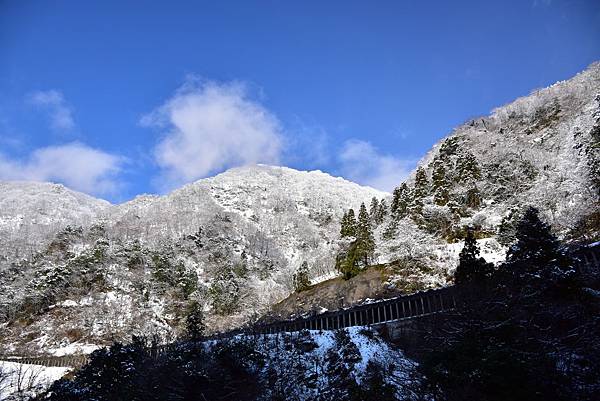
<point>525,330</point>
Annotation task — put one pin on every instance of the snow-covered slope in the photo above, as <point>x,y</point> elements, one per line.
<point>20,381</point>
<point>541,149</point>
<point>33,212</point>
<point>230,243</point>
<point>352,355</point>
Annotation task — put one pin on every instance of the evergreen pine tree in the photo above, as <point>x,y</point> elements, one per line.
<point>421,188</point>
<point>339,365</point>
<point>382,211</point>
<point>301,278</point>
<point>468,168</point>
<point>390,230</point>
<point>507,228</point>
<point>419,192</point>
<point>473,198</point>
<point>351,223</point>
<point>471,269</point>
<point>348,224</point>
<point>454,208</point>
<point>364,221</point>
<point>536,255</point>
<point>400,201</point>
<point>374,386</point>
<point>194,322</point>
<point>374,209</point>
<point>396,199</point>
<point>364,235</point>
<point>535,244</point>
<point>344,225</point>
<point>439,183</point>
<point>449,147</point>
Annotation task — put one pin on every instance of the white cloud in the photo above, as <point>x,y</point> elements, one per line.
<point>60,113</point>
<point>361,162</point>
<point>210,127</point>
<point>78,166</point>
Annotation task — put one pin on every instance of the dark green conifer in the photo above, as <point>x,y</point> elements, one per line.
<point>348,224</point>
<point>535,245</point>
<point>419,192</point>
<point>364,236</point>
<point>421,188</point>
<point>351,223</point>
<point>373,210</point>
<point>400,201</point>
<point>194,322</point>
<point>391,229</point>
<point>344,225</point>
<point>301,278</point>
<point>449,147</point>
<point>396,198</point>
<point>472,269</point>
<point>537,258</point>
<point>468,168</point>
<point>439,183</point>
<point>382,211</point>
<point>473,198</point>
<point>507,228</point>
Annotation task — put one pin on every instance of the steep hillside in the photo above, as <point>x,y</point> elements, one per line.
<point>541,150</point>
<point>228,245</point>
<point>31,213</point>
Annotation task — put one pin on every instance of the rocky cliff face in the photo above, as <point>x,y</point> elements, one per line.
<point>76,271</point>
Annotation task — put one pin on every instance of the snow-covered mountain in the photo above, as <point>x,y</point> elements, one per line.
<point>542,149</point>
<point>32,212</point>
<point>231,242</point>
<point>76,272</point>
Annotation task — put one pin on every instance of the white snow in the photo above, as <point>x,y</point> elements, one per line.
<point>73,349</point>
<point>26,380</point>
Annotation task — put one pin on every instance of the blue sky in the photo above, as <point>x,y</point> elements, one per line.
<point>118,98</point>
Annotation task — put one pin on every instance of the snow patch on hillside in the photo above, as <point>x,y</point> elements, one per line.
<point>24,381</point>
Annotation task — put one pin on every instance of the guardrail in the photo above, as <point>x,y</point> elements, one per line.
<point>67,361</point>
<point>399,308</point>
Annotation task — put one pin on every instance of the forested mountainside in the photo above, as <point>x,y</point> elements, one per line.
<point>234,244</point>
<point>228,244</point>
<point>33,212</point>
<point>542,149</point>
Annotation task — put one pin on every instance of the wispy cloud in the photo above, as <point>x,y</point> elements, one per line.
<point>54,103</point>
<point>210,126</point>
<point>361,162</point>
<point>78,166</point>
